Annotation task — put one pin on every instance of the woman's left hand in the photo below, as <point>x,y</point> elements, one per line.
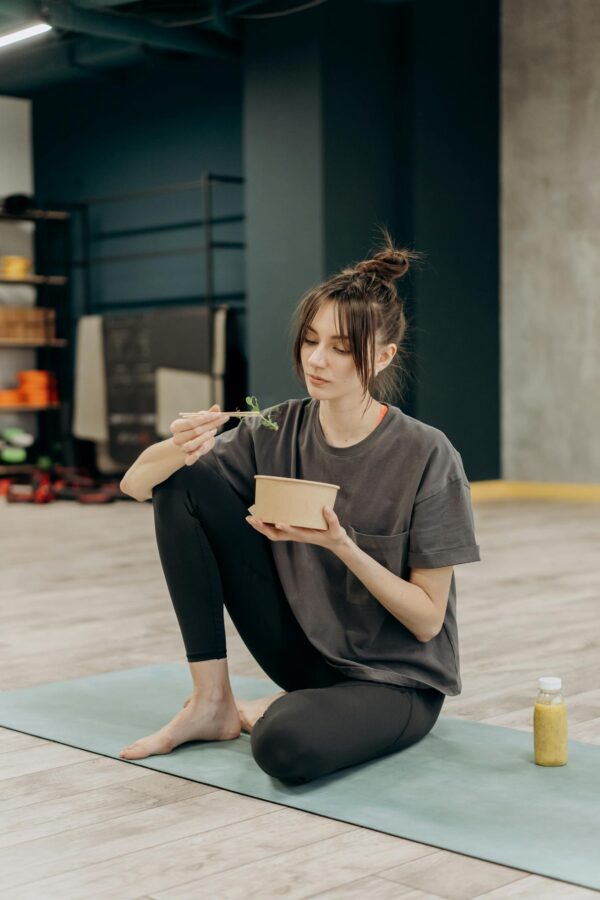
<point>332,538</point>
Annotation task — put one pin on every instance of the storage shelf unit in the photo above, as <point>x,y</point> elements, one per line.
<point>71,282</point>
<point>56,280</point>
<point>53,292</point>
<point>92,267</point>
<point>24,407</point>
<point>91,262</point>
<point>32,215</point>
<point>32,342</point>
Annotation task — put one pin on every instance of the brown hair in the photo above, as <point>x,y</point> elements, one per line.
<point>370,310</point>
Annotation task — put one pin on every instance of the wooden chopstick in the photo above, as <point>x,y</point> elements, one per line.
<point>189,415</point>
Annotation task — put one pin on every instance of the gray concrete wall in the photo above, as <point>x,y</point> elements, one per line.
<point>550,238</point>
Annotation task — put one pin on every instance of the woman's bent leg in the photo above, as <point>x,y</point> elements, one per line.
<point>310,733</point>
<point>210,557</point>
<point>189,567</point>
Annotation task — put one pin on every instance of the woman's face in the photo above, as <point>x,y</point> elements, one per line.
<point>327,355</point>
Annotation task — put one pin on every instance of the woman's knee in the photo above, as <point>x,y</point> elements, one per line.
<point>168,494</point>
<point>183,485</point>
<point>179,479</point>
<point>432,707</point>
<point>426,707</point>
<point>281,750</point>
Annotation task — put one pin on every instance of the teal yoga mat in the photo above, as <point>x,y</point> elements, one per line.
<point>467,787</point>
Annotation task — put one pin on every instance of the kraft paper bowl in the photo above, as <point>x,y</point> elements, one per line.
<point>292,501</point>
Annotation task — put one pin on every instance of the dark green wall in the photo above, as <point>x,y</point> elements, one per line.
<point>367,124</point>
<point>327,153</point>
<point>456,221</point>
<point>283,160</point>
<point>346,116</point>
<point>163,125</point>
<point>358,114</point>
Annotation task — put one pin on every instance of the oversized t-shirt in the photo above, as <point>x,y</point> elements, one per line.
<point>404,499</point>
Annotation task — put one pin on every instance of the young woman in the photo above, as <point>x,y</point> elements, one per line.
<point>356,623</point>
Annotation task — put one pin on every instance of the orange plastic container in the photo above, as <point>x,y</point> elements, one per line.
<point>35,398</point>
<point>10,398</point>
<point>35,376</point>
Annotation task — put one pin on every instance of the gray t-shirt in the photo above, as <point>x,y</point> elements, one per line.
<point>404,499</point>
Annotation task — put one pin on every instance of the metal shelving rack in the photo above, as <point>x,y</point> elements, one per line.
<point>47,431</point>
<point>93,259</point>
<point>205,184</point>
<point>80,261</point>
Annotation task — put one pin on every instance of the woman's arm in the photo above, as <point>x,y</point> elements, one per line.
<point>154,464</point>
<point>192,438</point>
<point>420,607</point>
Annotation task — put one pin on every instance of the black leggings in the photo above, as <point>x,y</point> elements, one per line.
<point>327,721</point>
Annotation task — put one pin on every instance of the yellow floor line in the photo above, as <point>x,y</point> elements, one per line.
<point>534,490</point>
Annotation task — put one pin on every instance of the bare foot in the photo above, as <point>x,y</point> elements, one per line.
<point>202,720</point>
<point>251,710</point>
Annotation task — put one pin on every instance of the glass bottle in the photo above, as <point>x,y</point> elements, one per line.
<point>550,740</point>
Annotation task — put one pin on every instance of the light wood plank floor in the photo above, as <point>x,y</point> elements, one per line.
<point>83,593</point>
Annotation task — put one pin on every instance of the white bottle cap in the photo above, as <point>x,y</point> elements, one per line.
<point>549,683</point>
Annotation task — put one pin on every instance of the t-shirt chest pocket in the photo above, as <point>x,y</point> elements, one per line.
<point>390,550</point>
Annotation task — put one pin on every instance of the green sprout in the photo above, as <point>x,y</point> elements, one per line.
<point>264,420</point>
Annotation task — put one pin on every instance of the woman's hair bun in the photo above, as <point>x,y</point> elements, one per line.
<point>390,262</point>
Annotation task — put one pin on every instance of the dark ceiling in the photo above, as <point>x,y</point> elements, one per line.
<point>109,38</point>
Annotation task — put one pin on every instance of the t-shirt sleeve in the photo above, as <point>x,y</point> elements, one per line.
<point>233,457</point>
<point>442,529</point>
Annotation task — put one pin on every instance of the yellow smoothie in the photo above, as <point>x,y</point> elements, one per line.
<point>550,734</point>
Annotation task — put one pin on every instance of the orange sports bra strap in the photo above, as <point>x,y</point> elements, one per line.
<point>382,413</point>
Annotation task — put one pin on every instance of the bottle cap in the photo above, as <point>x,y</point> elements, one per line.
<point>549,683</point>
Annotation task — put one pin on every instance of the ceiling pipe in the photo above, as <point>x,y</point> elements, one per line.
<point>100,4</point>
<point>21,10</point>
<point>227,11</point>
<point>64,61</point>
<point>222,23</point>
<point>135,30</point>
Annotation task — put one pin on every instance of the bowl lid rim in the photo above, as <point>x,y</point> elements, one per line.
<point>296,480</point>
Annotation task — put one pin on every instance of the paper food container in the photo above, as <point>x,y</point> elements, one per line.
<point>292,501</point>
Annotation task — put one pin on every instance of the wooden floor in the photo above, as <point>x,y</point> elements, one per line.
<point>83,593</point>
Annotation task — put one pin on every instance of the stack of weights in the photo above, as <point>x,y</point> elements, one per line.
<point>37,387</point>
<point>10,398</point>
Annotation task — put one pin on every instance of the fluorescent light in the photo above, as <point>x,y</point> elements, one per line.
<point>23,34</point>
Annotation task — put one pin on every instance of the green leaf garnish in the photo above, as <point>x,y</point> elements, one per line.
<point>267,421</point>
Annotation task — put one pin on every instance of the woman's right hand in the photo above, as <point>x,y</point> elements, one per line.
<point>196,435</point>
